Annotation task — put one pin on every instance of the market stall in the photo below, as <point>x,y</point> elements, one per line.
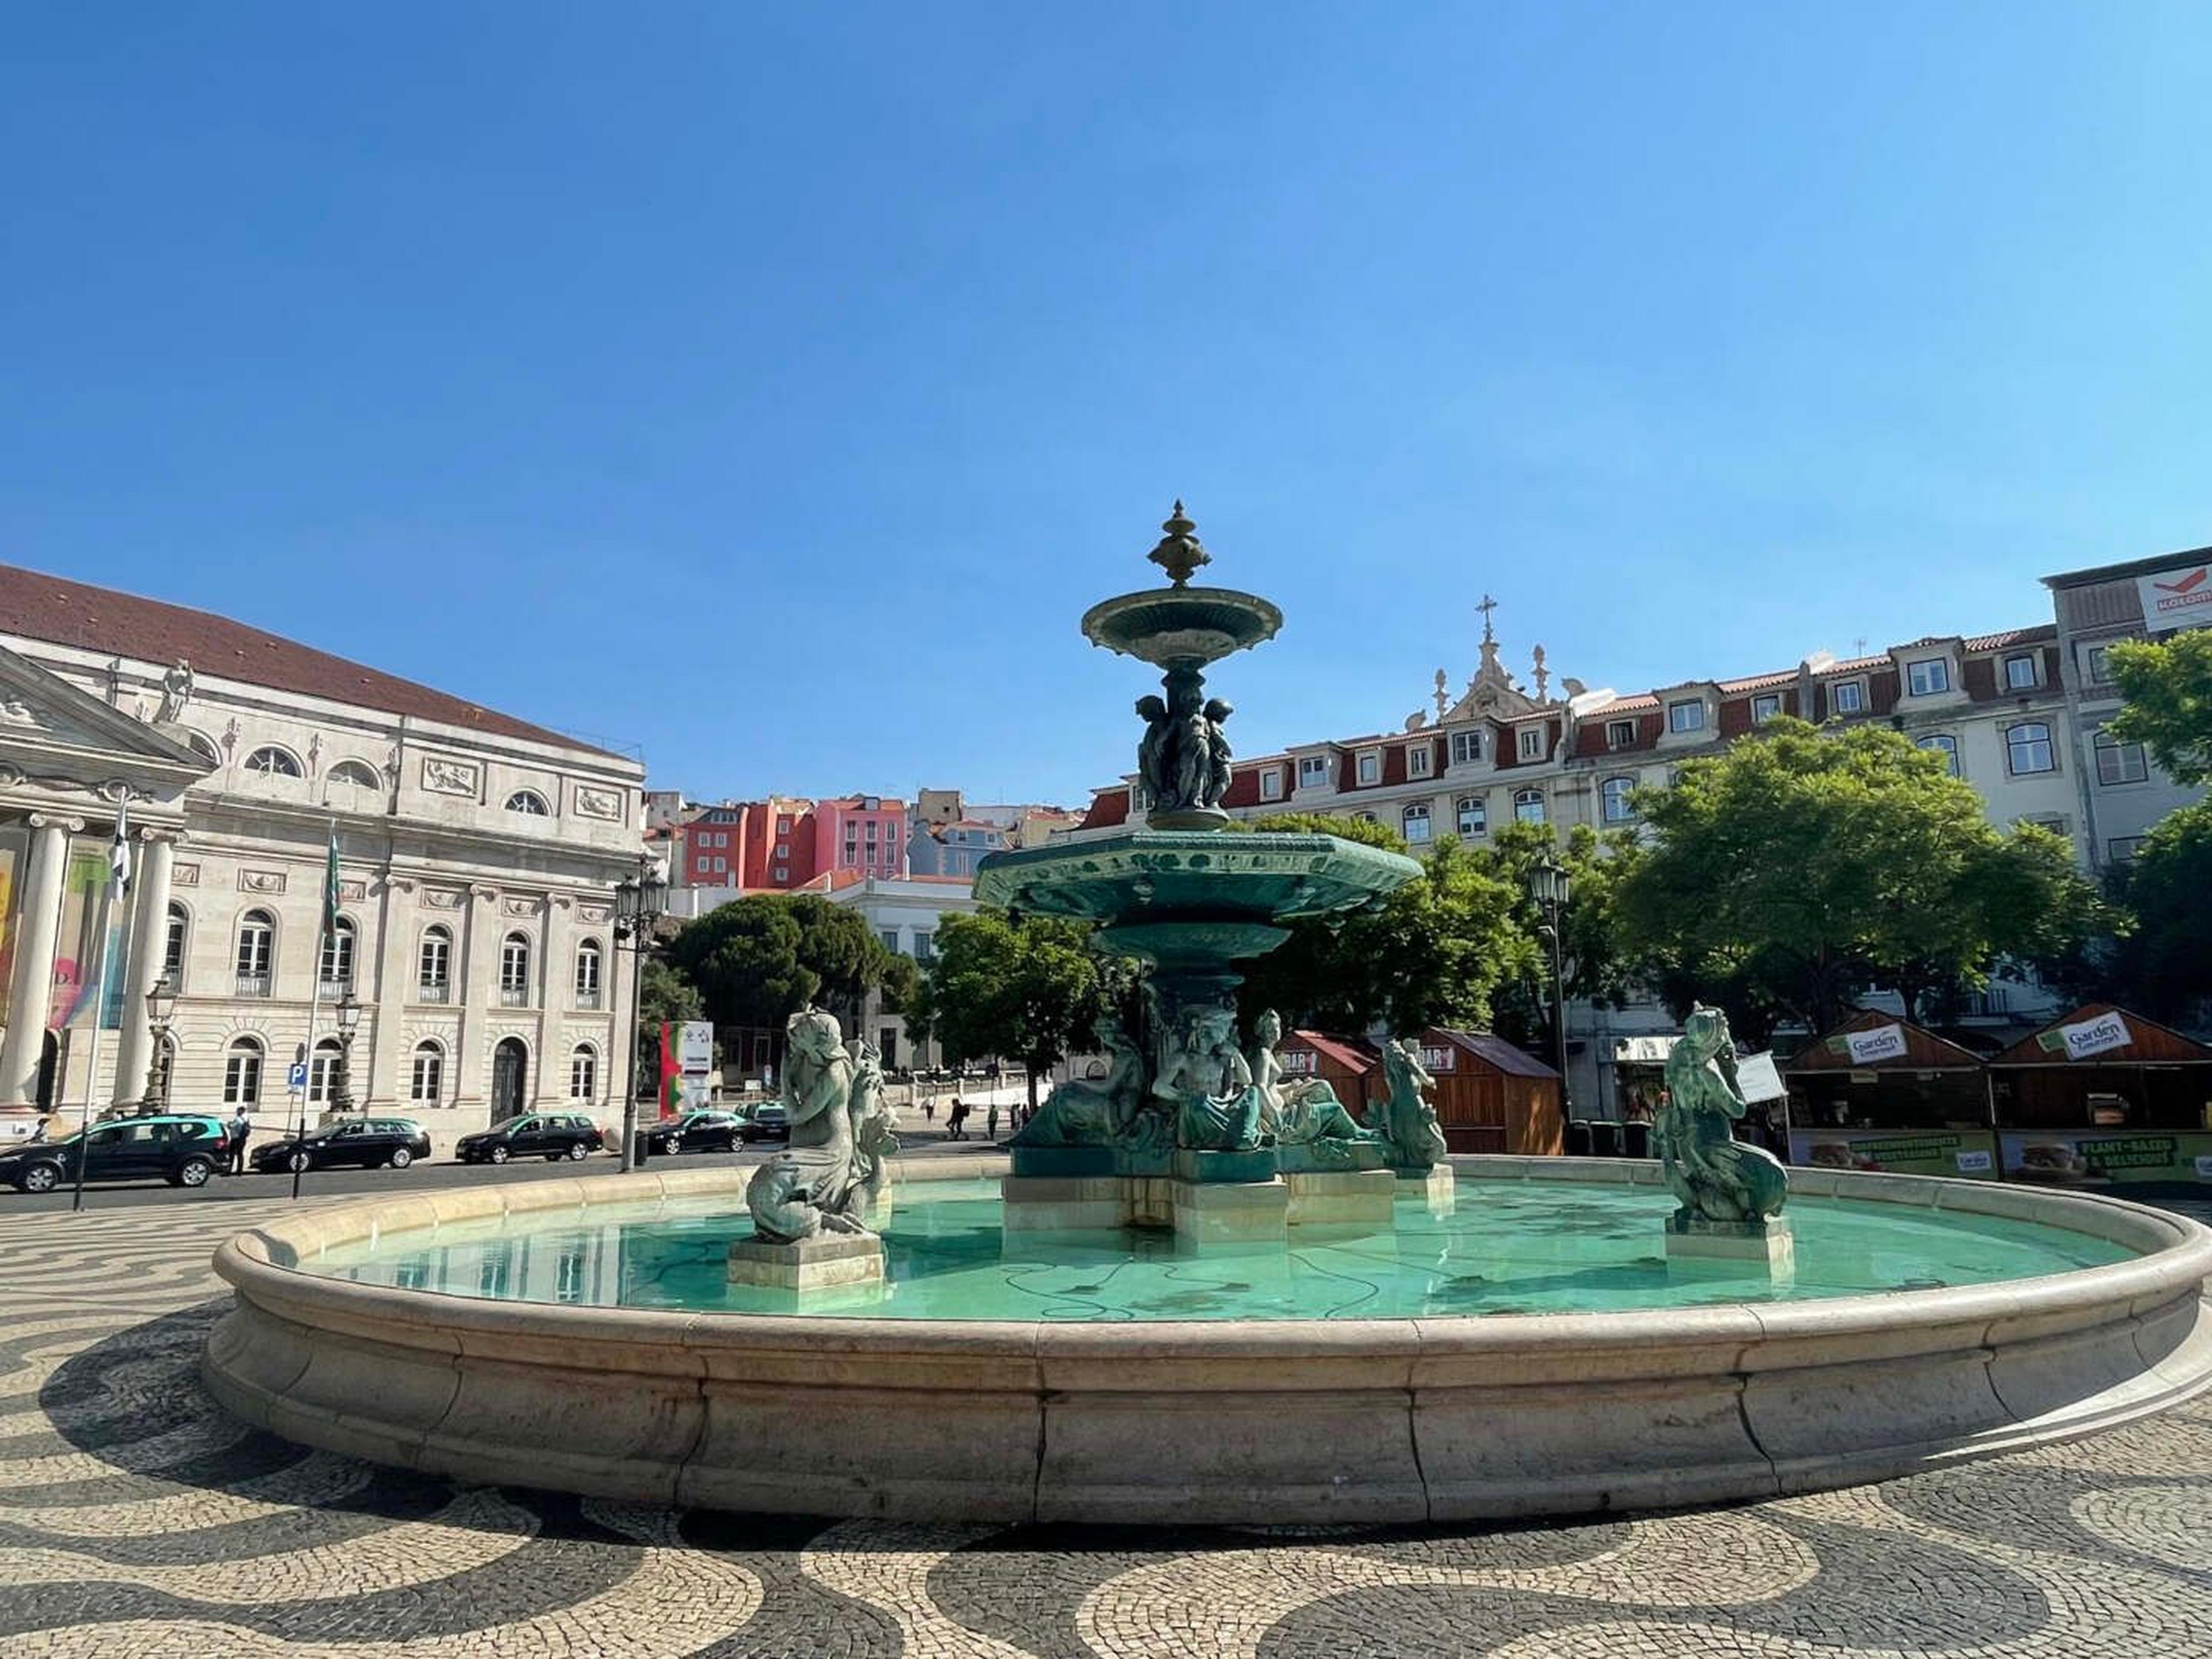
<point>1879,1092</point>
<point>1354,1074</point>
<point>2102,1096</point>
<point>1490,1096</point>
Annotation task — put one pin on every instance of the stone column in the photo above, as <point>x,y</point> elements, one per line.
<point>382,1071</point>
<point>149,937</point>
<point>475,988</point>
<point>38,926</point>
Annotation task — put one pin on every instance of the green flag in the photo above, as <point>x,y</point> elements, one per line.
<point>330,887</point>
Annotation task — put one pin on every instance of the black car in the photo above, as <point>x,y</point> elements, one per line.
<point>181,1150</point>
<point>548,1135</point>
<point>705,1129</point>
<point>766,1122</point>
<point>369,1142</point>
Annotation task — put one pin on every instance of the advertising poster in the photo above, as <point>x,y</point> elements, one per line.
<point>1870,1047</point>
<point>8,856</point>
<point>1898,1151</point>
<point>2098,1157</point>
<point>77,946</point>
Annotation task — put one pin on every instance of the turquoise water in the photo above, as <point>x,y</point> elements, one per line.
<point>1506,1248</point>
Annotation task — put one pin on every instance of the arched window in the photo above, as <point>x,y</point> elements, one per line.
<point>435,964</point>
<point>337,958</point>
<point>165,1064</point>
<point>173,944</point>
<point>529,803</point>
<point>321,1070</point>
<point>270,761</point>
<point>2027,748</point>
<point>1529,805</point>
<point>1474,818</point>
<point>256,952</point>
<point>1946,745</point>
<point>1613,795</point>
<point>426,1080</point>
<point>204,746</point>
<point>241,1073</point>
<point>584,1073</point>
<point>587,973</point>
<point>357,774</point>
<point>514,971</point>
<point>1414,821</point>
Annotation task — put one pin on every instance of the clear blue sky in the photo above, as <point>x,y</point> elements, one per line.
<point>772,387</point>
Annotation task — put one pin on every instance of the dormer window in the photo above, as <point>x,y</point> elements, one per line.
<point>1847,696</point>
<point>1466,747</point>
<point>1928,677</point>
<point>1688,715</point>
<point>1271,784</point>
<point>2019,671</point>
<point>1765,706</point>
<point>1313,771</point>
<point>1532,742</point>
<point>1620,734</point>
<point>1419,758</point>
<point>1370,766</point>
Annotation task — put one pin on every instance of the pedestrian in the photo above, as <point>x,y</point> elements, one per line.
<point>991,1121</point>
<point>239,1127</point>
<point>929,1108</point>
<point>956,1120</point>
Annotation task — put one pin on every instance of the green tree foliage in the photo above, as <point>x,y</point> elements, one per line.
<point>1433,953</point>
<point>1027,989</point>
<point>759,960</point>
<point>663,996</point>
<point>1590,956</point>
<point>2163,965</point>
<point>1799,867</point>
<point>2168,687</point>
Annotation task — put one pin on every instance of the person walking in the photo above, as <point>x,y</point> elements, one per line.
<point>929,1108</point>
<point>991,1120</point>
<point>239,1127</point>
<point>955,1120</point>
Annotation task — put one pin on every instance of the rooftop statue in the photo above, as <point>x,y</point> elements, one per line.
<point>839,1136</point>
<point>1408,1122</point>
<point>1712,1175</point>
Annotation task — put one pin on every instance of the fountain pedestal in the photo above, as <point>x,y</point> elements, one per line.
<point>1763,1244</point>
<point>827,1261</point>
<point>1230,1212</point>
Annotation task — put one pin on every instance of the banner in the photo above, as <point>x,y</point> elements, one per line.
<point>2095,1036</point>
<point>2180,597</point>
<point>1880,1043</point>
<point>2099,1158</point>
<point>8,862</point>
<point>694,1048</point>
<point>77,948</point>
<point>1898,1151</point>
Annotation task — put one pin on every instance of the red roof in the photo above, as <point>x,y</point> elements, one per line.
<point>2036,635</point>
<point>37,606</point>
<point>1758,682</point>
<point>1329,1048</point>
<point>1108,808</point>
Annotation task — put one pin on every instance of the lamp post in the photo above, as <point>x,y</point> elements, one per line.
<point>1550,885</point>
<point>161,1014</point>
<point>349,1012</point>
<point>639,902</point>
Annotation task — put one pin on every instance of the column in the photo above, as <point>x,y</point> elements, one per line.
<point>476,989</point>
<point>31,999</point>
<point>149,938</point>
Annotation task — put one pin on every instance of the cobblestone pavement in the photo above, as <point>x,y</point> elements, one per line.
<point>136,1519</point>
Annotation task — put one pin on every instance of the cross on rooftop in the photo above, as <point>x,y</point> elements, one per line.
<point>1487,606</point>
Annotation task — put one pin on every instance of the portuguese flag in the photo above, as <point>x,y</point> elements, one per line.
<point>672,1075</point>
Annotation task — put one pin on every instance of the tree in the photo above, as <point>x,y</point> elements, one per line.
<point>1029,989</point>
<point>839,949</point>
<point>2168,687</point>
<point>2164,965</point>
<point>742,956</point>
<point>1799,867</point>
<point>664,996</point>
<point>1433,953</point>
<point>1594,969</point>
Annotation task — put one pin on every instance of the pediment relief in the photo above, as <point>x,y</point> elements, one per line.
<point>48,726</point>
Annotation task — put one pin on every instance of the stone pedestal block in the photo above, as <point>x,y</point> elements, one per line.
<point>1038,1203</point>
<point>1765,1246</point>
<point>1346,1197</point>
<point>1230,1212</point>
<point>827,1262</point>
<point>1305,1159</point>
<point>1434,1187</point>
<point>1256,1165</point>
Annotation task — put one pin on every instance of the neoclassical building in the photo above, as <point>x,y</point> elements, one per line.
<point>477,856</point>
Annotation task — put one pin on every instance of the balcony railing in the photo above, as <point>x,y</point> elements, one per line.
<point>334,990</point>
<point>514,996</point>
<point>253,985</point>
<point>588,999</point>
<point>432,991</point>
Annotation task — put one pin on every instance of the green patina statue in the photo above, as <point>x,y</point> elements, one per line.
<point>1209,1085</point>
<point>1084,1113</point>
<point>1408,1125</point>
<point>833,1172</point>
<point>1714,1176</point>
<point>1301,1112</point>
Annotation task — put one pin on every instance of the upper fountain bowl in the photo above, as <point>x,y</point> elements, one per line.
<point>1171,626</point>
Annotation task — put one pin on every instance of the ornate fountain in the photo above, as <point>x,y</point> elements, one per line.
<point>1187,1130</point>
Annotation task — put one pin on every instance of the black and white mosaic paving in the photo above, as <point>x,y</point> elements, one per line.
<point>138,1520</point>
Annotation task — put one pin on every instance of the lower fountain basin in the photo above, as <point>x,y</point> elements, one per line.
<point>1248,1387</point>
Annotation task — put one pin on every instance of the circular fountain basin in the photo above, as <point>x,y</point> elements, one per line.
<point>1529,1350</point>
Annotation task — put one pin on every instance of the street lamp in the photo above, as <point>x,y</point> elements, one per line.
<point>161,1014</point>
<point>640,900</point>
<point>1550,885</point>
<point>348,1022</point>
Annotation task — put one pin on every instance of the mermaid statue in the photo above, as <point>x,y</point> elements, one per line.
<point>1301,1111</point>
<point>1408,1122</point>
<point>1713,1176</point>
<point>1084,1113</point>
<point>820,1182</point>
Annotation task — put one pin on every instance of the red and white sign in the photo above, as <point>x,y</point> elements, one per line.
<point>2177,598</point>
<point>1440,1059</point>
<point>2099,1035</point>
<point>1298,1062</point>
<point>1880,1043</point>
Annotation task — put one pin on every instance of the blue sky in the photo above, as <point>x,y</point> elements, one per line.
<point>772,388</point>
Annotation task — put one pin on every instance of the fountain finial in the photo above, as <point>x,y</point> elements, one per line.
<point>1179,553</point>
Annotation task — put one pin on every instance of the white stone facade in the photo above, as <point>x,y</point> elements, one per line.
<point>496,843</point>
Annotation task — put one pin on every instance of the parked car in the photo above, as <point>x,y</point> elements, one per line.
<point>704,1129</point>
<point>370,1143</point>
<point>548,1135</point>
<point>768,1121</point>
<point>181,1148</point>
